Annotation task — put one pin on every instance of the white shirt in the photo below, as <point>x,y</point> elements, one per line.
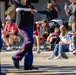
<point>65,38</point>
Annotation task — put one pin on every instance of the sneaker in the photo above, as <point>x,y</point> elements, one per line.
<point>38,49</point>
<point>34,48</point>
<point>74,52</point>
<point>58,57</point>
<point>51,57</point>
<point>9,48</point>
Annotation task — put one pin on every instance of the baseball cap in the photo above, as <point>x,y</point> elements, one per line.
<point>7,18</point>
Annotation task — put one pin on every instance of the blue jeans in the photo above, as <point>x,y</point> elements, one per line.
<point>26,48</point>
<point>74,41</point>
<point>60,48</point>
<point>0,43</point>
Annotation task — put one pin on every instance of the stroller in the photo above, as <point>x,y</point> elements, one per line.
<point>52,25</point>
<point>55,41</point>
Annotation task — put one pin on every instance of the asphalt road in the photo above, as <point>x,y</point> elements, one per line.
<point>45,66</point>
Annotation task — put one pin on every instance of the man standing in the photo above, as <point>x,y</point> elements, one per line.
<point>71,11</point>
<point>24,20</point>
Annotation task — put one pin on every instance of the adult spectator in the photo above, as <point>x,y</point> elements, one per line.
<point>71,11</point>
<point>11,11</point>
<point>56,6</point>
<point>72,46</point>
<point>50,12</point>
<point>8,33</point>
<point>74,43</point>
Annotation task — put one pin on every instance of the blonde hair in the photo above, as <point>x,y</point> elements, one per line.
<point>63,30</point>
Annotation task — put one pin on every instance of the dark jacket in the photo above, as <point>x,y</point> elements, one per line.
<point>24,18</point>
<point>0,24</point>
<point>49,14</point>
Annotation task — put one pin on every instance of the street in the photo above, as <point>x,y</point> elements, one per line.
<point>45,66</point>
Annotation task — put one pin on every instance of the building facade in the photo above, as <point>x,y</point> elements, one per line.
<point>2,10</point>
<point>3,7</point>
<point>39,6</point>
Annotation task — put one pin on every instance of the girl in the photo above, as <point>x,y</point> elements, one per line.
<point>65,40</point>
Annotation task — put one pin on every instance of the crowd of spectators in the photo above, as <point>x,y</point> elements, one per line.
<point>42,30</point>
